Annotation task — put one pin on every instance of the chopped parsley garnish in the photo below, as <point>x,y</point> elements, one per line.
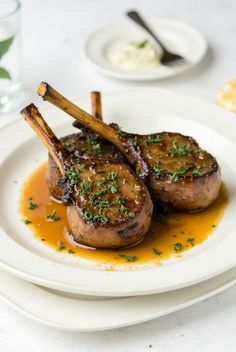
<point>158,171</point>
<point>179,149</point>
<point>71,251</point>
<point>120,132</point>
<point>84,186</point>
<point>93,197</point>
<point>90,139</point>
<point>97,147</point>
<point>68,146</point>
<point>156,251</point>
<point>191,240</point>
<point>53,216</point>
<point>133,141</point>
<point>32,205</point>
<point>154,139</point>
<point>104,204</point>
<point>128,258</point>
<point>27,221</point>
<point>178,246</point>
<point>103,181</point>
<point>90,216</point>
<point>142,44</point>
<point>112,176</point>
<point>71,177</point>
<point>60,245</point>
<point>176,174</point>
<point>113,187</point>
<point>197,171</point>
<point>123,209</point>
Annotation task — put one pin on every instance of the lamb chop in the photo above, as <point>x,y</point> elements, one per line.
<point>85,144</point>
<point>110,207</point>
<point>177,171</point>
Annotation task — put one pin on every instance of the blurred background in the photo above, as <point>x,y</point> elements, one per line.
<point>54,32</point>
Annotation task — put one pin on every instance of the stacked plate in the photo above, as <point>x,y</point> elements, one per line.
<point>78,295</point>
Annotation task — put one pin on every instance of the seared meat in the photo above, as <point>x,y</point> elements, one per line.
<point>176,170</point>
<point>84,144</point>
<point>87,145</point>
<point>181,173</point>
<point>109,206</point>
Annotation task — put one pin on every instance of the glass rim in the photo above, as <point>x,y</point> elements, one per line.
<point>12,12</point>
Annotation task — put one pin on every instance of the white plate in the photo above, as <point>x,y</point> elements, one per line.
<point>141,111</point>
<point>82,313</point>
<point>178,37</point>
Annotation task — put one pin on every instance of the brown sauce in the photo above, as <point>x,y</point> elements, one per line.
<point>170,236</point>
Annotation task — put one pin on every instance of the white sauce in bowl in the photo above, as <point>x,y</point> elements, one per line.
<point>136,55</point>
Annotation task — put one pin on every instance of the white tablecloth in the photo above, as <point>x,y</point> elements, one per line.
<point>53,33</point>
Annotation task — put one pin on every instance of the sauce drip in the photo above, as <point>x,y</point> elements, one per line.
<point>168,236</point>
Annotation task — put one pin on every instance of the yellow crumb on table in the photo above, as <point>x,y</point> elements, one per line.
<point>227,95</point>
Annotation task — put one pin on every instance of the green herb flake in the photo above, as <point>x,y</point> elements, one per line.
<point>32,205</point>
<point>60,245</point>
<point>84,186</point>
<point>154,139</point>
<point>191,241</point>
<point>178,247</point>
<point>197,171</point>
<point>97,147</point>
<point>156,251</point>
<point>103,181</point>
<point>128,258</point>
<point>112,176</point>
<point>71,177</point>
<point>179,149</point>
<point>133,141</point>
<point>93,197</point>
<point>71,251</point>
<point>90,216</point>
<point>123,209</point>
<point>158,171</point>
<point>176,174</point>
<point>53,216</point>
<point>113,187</point>
<point>27,221</point>
<point>142,44</point>
<point>121,132</point>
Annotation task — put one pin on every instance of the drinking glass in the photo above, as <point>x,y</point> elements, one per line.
<point>10,58</point>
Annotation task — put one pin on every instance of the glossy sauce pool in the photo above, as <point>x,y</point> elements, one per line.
<point>168,236</point>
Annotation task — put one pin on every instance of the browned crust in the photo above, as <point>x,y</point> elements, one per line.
<point>135,154</point>
<point>118,235</point>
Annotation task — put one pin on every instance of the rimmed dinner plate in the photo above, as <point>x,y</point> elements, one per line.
<point>142,111</point>
<point>177,36</point>
<point>82,313</point>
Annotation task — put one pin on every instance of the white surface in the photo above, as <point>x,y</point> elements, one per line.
<point>112,38</point>
<point>175,112</point>
<point>49,26</point>
<point>84,313</point>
